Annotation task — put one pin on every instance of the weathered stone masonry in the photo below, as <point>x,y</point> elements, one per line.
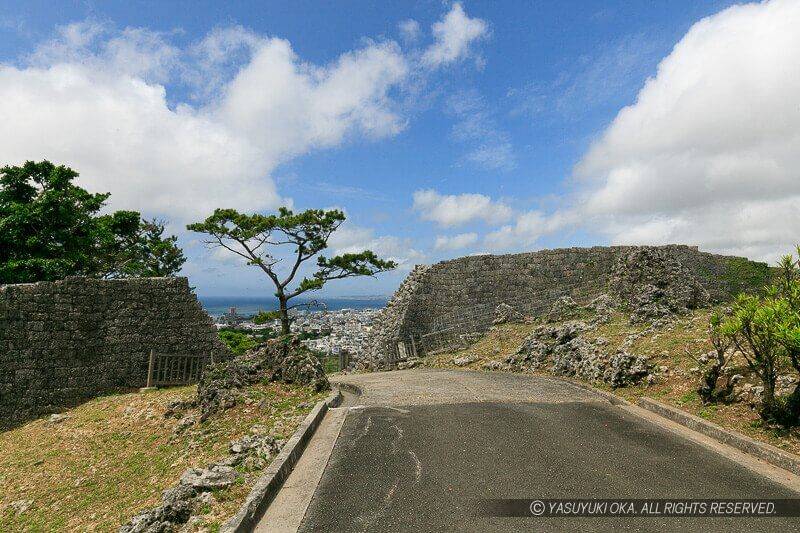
<point>460,295</point>
<point>66,341</point>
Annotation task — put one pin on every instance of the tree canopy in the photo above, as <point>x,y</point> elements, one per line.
<point>51,228</point>
<point>256,238</point>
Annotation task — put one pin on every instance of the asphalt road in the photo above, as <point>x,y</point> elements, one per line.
<point>419,447</point>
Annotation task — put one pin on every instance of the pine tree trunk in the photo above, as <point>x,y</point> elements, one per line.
<point>284,310</point>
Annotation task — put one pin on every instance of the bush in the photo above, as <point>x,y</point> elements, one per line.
<point>766,331</point>
<point>237,342</point>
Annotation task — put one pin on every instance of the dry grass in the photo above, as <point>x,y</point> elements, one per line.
<point>498,342</point>
<point>114,455</point>
<point>673,346</point>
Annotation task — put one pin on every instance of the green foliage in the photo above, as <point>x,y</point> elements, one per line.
<point>237,342</point>
<point>152,254</point>
<point>709,390</point>
<point>742,275</point>
<point>51,228</point>
<point>766,330</point>
<point>256,238</point>
<point>264,317</point>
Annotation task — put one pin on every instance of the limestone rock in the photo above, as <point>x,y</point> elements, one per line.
<point>276,360</point>
<point>569,354</point>
<point>215,477</point>
<point>176,508</point>
<point>493,365</point>
<point>564,308</point>
<point>410,363</point>
<point>654,285</point>
<point>20,506</point>
<point>254,451</point>
<point>505,314</point>
<point>465,360</point>
<point>185,423</point>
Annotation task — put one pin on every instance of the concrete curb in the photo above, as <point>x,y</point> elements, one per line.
<point>272,479</point>
<point>612,398</point>
<point>349,387</point>
<point>763,451</point>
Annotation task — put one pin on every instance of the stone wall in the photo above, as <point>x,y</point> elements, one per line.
<point>461,295</point>
<point>66,341</point>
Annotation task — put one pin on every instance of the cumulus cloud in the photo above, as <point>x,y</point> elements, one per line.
<point>97,99</point>
<point>455,242</point>
<point>529,227</point>
<point>453,36</point>
<point>350,238</point>
<point>710,152</point>
<point>456,209</point>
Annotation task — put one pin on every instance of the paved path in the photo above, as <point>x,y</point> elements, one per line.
<point>418,447</point>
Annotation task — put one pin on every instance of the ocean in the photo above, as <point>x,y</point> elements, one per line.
<point>246,306</point>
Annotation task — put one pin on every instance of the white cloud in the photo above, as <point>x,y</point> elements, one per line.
<point>497,155</point>
<point>350,238</point>
<point>409,29</point>
<point>453,36</point>
<point>122,136</point>
<point>455,242</point>
<point>136,52</point>
<point>457,209</point>
<point>710,152</point>
<point>96,99</point>
<point>287,107</point>
<point>521,235</point>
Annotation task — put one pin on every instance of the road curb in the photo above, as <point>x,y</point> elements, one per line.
<point>349,387</point>
<point>612,398</point>
<point>270,482</point>
<point>766,452</point>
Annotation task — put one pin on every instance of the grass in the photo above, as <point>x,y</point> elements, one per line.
<point>672,346</point>
<point>114,455</point>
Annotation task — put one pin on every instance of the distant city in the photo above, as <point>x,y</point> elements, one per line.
<point>333,325</point>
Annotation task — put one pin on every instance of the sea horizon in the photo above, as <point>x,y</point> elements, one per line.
<point>249,305</point>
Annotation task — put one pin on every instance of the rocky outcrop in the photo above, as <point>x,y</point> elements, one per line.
<point>252,452</point>
<point>505,314</point>
<point>564,308</point>
<point>284,360</point>
<point>653,285</point>
<point>564,351</point>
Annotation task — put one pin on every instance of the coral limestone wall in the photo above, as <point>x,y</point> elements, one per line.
<point>66,341</point>
<point>461,295</point>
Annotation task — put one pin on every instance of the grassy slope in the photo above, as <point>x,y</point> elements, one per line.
<point>114,455</point>
<point>665,347</point>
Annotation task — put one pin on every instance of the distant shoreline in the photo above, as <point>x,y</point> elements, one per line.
<point>249,305</point>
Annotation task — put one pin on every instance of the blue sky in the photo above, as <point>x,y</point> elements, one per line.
<point>442,129</point>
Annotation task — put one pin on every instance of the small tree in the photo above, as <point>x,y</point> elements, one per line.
<point>786,300</point>
<point>254,238</point>
<point>709,391</point>
<point>754,331</point>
